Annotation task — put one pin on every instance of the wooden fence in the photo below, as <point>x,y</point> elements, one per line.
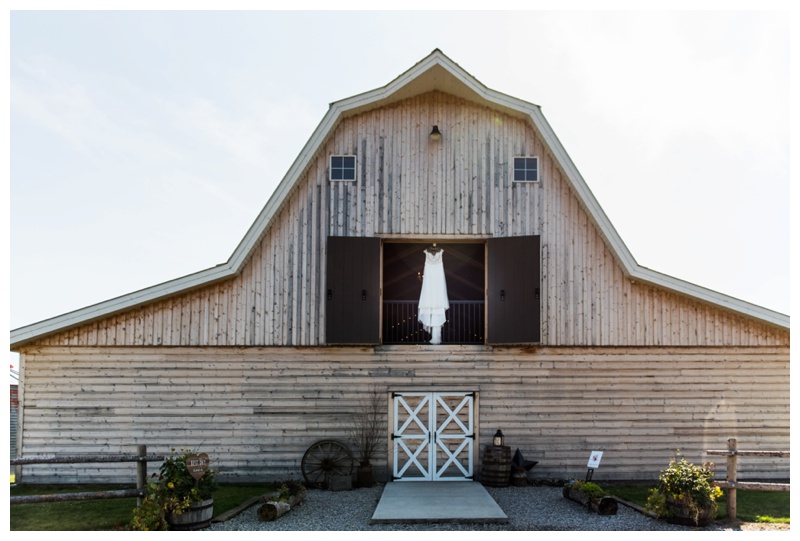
<point>141,458</point>
<point>731,484</point>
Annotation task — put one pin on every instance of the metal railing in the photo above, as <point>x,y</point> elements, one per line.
<point>464,323</point>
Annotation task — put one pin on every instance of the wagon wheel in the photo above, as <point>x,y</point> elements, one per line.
<point>324,460</point>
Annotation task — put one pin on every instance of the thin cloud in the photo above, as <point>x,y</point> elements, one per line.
<point>66,103</point>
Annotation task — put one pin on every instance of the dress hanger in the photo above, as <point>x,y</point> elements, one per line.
<point>433,249</point>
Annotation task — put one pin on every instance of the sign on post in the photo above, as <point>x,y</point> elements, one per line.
<point>197,465</point>
<point>594,463</point>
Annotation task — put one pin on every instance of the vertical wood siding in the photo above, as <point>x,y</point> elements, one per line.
<point>408,185</point>
<point>256,410</point>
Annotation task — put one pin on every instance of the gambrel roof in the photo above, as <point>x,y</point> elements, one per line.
<point>436,72</point>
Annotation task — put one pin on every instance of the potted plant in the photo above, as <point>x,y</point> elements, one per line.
<point>175,499</point>
<point>366,431</point>
<point>685,493</point>
<point>283,500</point>
<point>591,495</point>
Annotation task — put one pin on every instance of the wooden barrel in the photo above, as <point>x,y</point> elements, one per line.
<point>197,516</point>
<point>496,466</point>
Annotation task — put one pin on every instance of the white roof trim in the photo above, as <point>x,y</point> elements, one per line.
<point>240,255</point>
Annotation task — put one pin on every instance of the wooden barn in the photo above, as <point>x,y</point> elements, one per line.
<point>554,334</point>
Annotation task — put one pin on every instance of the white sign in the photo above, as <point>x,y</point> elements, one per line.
<point>594,459</point>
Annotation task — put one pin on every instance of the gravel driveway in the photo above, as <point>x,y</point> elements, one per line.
<point>528,509</point>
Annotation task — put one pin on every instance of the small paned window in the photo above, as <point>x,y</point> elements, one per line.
<point>343,168</point>
<point>526,169</point>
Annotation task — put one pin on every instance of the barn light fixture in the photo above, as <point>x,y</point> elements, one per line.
<point>436,134</point>
<point>498,439</point>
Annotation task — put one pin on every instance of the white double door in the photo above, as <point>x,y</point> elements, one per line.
<point>433,436</point>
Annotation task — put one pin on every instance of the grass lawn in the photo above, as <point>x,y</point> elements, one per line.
<point>95,515</point>
<point>751,505</point>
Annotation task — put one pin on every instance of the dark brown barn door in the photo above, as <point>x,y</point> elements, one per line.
<point>512,305</point>
<point>353,292</point>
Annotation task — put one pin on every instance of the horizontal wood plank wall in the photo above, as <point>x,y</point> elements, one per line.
<point>256,410</point>
<point>408,185</point>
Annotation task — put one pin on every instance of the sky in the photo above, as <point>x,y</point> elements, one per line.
<point>143,144</point>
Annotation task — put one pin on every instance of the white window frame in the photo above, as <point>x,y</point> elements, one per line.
<point>514,169</point>
<point>355,168</point>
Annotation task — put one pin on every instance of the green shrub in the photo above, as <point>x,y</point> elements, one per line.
<point>684,484</point>
<point>171,492</point>
<point>592,490</point>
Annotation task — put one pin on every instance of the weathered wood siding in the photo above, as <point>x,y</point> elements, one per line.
<point>13,419</point>
<point>256,410</point>
<point>408,186</point>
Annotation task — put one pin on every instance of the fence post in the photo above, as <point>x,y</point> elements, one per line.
<point>731,466</point>
<point>141,472</point>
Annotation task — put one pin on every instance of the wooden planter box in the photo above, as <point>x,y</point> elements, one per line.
<point>602,506</point>
<point>272,509</point>
<point>340,482</point>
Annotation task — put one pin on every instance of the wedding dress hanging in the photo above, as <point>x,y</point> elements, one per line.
<point>433,301</point>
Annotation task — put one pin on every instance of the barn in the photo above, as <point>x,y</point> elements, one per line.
<point>553,334</point>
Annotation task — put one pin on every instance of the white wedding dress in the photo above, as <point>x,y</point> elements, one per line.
<point>433,301</point>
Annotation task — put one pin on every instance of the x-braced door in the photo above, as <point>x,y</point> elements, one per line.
<point>433,436</point>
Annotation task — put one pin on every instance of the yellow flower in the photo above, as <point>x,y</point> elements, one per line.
<point>171,484</point>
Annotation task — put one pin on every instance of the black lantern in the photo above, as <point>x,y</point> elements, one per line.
<point>498,439</point>
<point>435,134</point>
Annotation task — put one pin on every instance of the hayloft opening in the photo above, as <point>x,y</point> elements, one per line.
<point>465,272</point>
